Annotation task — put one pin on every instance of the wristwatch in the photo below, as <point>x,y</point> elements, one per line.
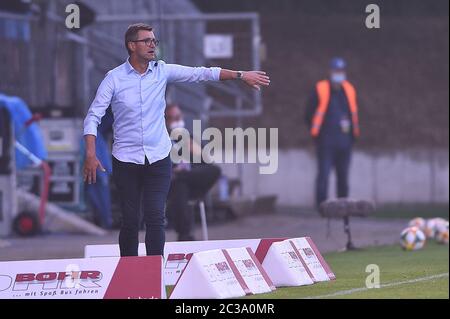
<point>240,75</point>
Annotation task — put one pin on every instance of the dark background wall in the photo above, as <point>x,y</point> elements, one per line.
<point>401,71</point>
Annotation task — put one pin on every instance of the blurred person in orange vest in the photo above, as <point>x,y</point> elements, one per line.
<point>332,117</point>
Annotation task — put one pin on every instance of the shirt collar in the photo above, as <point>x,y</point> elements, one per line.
<point>130,68</point>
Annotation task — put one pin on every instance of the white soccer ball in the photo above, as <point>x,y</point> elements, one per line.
<point>441,233</point>
<point>439,220</point>
<point>431,225</point>
<point>418,222</point>
<point>412,238</point>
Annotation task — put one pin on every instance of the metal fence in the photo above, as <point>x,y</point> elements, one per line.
<point>39,63</point>
<point>50,66</point>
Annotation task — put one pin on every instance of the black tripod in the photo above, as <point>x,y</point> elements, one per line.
<point>344,208</point>
<point>349,245</point>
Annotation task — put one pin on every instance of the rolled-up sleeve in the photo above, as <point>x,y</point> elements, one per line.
<point>180,73</point>
<point>98,107</point>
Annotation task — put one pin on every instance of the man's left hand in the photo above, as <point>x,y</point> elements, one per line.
<point>255,79</point>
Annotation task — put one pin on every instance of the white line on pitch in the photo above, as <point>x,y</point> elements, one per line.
<point>392,284</point>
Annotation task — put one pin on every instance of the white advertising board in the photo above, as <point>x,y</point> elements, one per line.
<point>88,278</point>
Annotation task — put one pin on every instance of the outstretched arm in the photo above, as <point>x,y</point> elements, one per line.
<point>252,78</point>
<point>181,73</point>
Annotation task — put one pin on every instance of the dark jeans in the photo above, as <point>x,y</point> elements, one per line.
<point>142,187</point>
<point>188,185</point>
<point>331,156</point>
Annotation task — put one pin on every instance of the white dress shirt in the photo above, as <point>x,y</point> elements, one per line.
<point>138,104</point>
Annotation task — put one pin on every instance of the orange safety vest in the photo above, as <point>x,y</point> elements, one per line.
<point>323,92</point>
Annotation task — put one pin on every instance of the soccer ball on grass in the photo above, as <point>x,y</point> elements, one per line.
<point>412,238</point>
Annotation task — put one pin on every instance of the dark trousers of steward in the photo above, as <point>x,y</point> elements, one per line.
<point>332,156</point>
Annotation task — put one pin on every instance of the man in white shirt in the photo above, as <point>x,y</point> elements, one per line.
<point>141,163</point>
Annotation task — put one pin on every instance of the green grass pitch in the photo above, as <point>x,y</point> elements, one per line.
<point>403,274</point>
